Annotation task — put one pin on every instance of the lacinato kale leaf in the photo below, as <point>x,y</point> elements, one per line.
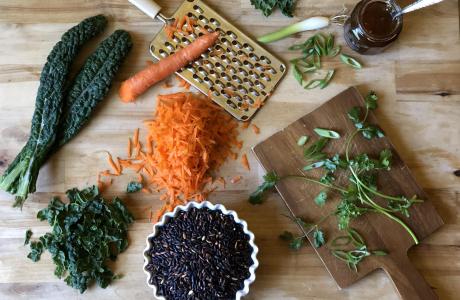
<point>92,84</point>
<point>267,6</point>
<point>134,187</point>
<point>21,176</point>
<point>86,233</point>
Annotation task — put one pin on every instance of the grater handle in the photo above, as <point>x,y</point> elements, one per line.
<point>149,7</point>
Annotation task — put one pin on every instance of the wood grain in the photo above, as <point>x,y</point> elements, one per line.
<point>281,154</point>
<point>423,127</point>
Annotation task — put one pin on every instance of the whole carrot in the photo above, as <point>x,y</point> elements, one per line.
<point>136,85</point>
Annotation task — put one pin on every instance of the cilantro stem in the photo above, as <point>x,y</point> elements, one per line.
<point>412,234</point>
<point>317,182</point>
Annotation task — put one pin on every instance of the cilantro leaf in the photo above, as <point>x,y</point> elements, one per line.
<point>28,236</point>
<point>294,243</point>
<point>385,159</point>
<point>318,238</point>
<point>321,198</point>
<point>134,187</point>
<point>270,179</point>
<point>371,100</point>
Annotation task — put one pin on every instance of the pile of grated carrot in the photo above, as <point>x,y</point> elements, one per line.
<point>189,137</point>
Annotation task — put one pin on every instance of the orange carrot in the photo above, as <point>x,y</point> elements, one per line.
<point>136,85</point>
<point>114,166</point>
<point>245,162</point>
<point>255,129</point>
<point>236,179</point>
<point>258,103</point>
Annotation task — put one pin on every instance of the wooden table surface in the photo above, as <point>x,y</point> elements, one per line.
<point>419,83</point>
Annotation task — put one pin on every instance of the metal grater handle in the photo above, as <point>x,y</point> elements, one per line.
<point>149,7</point>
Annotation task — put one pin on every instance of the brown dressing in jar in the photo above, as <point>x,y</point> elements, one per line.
<point>372,26</point>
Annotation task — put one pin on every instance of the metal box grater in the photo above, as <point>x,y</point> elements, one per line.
<point>237,73</point>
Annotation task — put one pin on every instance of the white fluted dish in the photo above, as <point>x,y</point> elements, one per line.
<point>218,207</point>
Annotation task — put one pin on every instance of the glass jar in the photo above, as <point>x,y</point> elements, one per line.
<point>373,26</point>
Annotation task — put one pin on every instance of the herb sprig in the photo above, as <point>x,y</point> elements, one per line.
<point>359,195</point>
<point>313,50</point>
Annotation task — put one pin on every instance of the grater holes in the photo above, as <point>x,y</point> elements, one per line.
<point>254,92</point>
<point>242,89</point>
<point>219,66</point>
<point>162,53</point>
<point>259,84</point>
<point>224,76</point>
<point>253,57</point>
<point>203,19</point>
<point>265,77</point>
<point>244,118</point>
<point>207,81</point>
<point>265,60</point>
<point>214,22</point>
<point>248,82</point>
<point>202,71</point>
<point>236,79</point>
<point>197,9</point>
<point>219,83</point>
<point>197,78</point>
<point>263,93</point>
<point>243,72</point>
<point>185,40</point>
<point>253,74</point>
<point>282,68</point>
<point>207,28</point>
<point>232,34</point>
<point>248,47</point>
<point>231,69</point>
<point>248,64</point>
<point>236,44</point>
<point>231,104</point>
<point>170,46</point>
<point>237,62</point>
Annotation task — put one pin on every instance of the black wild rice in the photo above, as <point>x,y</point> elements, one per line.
<point>199,254</point>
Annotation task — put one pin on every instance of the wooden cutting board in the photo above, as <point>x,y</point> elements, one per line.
<point>280,153</point>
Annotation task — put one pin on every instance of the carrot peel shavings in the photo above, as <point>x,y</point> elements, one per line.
<point>245,162</point>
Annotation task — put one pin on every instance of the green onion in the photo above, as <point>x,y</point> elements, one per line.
<point>308,24</point>
<point>330,134</point>
<point>302,140</point>
<point>348,60</point>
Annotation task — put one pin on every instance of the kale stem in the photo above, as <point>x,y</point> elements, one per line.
<point>317,182</point>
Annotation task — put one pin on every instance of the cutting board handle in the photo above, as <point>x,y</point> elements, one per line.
<point>409,283</point>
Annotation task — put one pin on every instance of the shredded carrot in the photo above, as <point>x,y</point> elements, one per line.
<point>255,129</point>
<point>245,125</point>
<point>258,103</point>
<point>114,166</point>
<point>245,162</point>
<point>140,179</point>
<point>130,148</point>
<point>244,106</point>
<point>136,137</point>
<point>181,23</point>
<point>221,180</point>
<point>236,179</point>
<point>188,138</point>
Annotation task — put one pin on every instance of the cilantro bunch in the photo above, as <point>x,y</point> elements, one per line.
<point>357,197</point>
<point>86,233</point>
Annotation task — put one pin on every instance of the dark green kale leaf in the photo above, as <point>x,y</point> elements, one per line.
<point>92,84</point>
<point>270,179</point>
<point>28,236</point>
<point>267,6</point>
<point>21,176</point>
<point>36,250</point>
<point>86,233</point>
<point>134,187</point>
